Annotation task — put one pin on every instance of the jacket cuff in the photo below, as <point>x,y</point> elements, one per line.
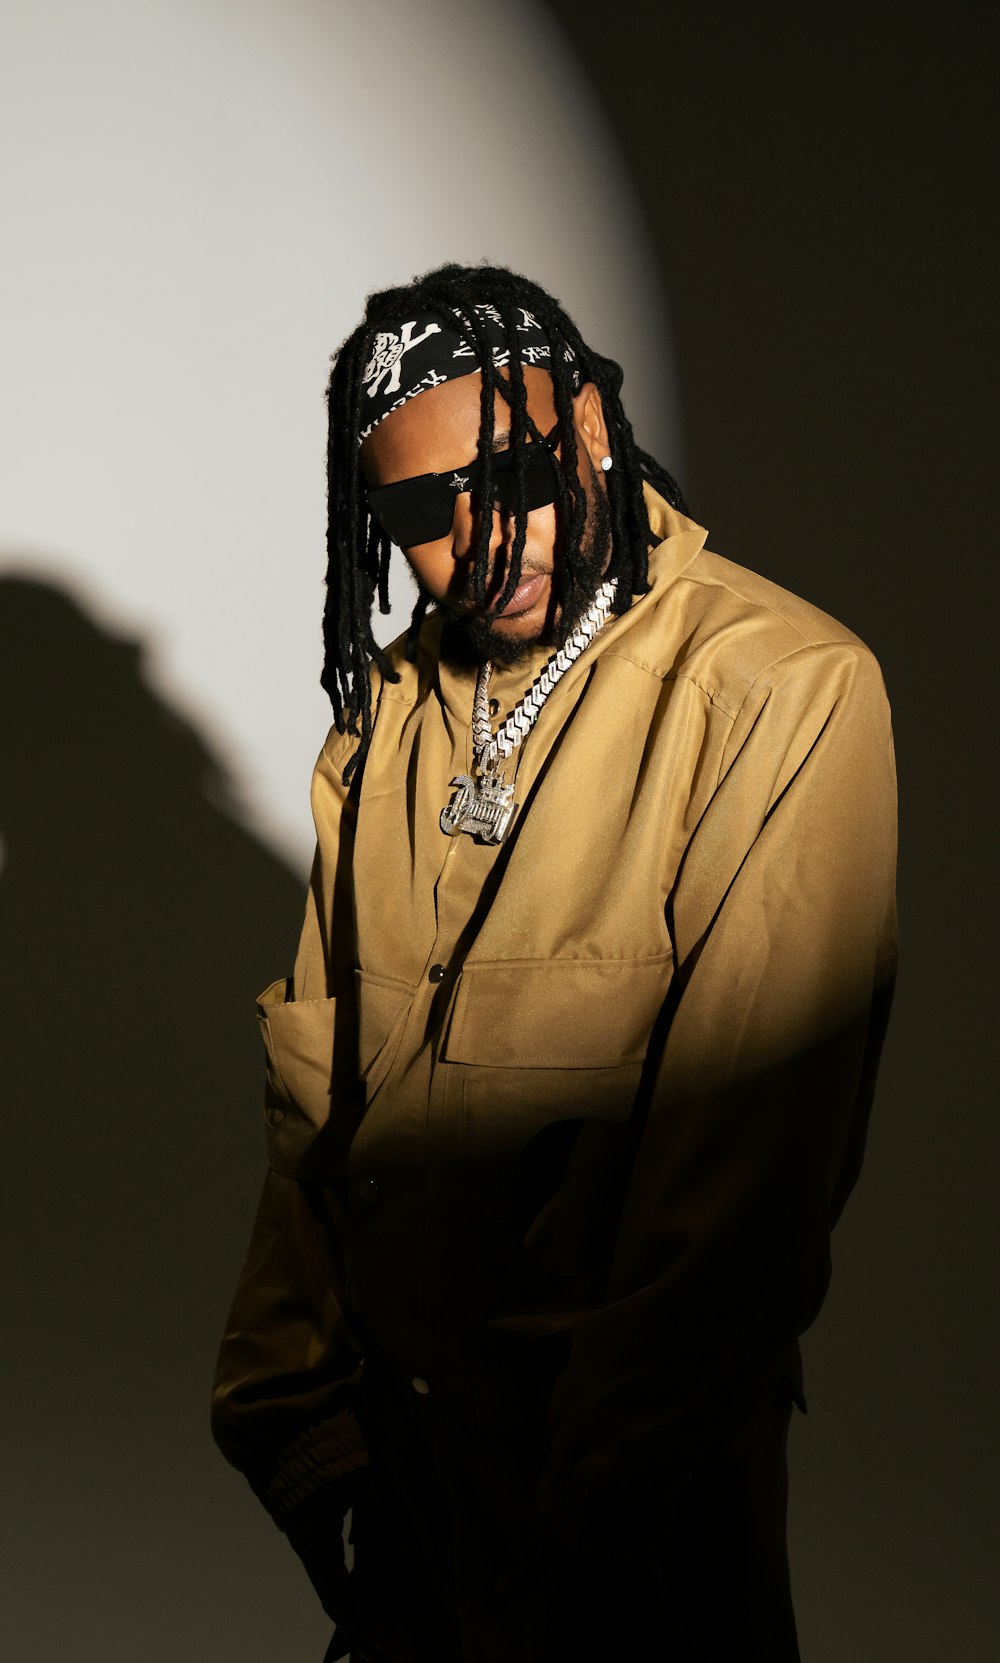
<point>316,1458</point>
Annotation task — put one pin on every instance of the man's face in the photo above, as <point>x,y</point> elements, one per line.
<point>439,431</point>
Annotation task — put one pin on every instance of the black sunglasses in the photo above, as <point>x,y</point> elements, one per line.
<point>421,509</point>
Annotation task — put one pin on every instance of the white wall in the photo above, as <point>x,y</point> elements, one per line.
<point>195,199</point>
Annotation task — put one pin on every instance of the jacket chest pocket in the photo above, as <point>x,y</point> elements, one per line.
<point>311,1098</point>
<point>549,1040</point>
<point>550,1058</point>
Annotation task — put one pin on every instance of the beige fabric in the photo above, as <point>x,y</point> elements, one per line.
<point>629,1113</point>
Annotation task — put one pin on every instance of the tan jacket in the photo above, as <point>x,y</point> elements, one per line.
<point>605,1148</point>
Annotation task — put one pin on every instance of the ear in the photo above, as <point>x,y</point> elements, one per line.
<point>588,414</point>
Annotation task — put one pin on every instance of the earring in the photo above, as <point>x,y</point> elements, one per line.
<point>606,464</point>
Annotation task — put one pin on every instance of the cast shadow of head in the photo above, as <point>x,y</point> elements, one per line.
<point>138,919</point>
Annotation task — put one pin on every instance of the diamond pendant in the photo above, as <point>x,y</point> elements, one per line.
<point>481,807</point>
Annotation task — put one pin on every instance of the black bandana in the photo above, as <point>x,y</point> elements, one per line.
<point>430,349</point>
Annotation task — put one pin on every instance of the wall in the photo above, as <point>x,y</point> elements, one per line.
<point>818,182</point>
<point>195,199</point>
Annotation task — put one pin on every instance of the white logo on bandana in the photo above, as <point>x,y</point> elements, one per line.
<point>388,352</point>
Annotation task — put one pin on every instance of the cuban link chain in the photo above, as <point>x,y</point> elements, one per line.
<point>483,807</point>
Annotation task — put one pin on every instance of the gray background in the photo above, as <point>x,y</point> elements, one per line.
<point>196,200</point>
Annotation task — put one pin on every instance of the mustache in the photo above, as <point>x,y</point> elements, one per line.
<point>464,595</point>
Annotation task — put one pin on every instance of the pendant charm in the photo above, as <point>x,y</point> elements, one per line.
<point>482,807</point>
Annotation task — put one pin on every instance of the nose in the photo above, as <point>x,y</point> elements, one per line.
<point>465,527</point>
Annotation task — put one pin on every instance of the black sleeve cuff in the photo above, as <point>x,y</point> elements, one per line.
<point>316,1459</point>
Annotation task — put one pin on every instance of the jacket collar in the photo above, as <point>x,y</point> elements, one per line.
<point>679,540</point>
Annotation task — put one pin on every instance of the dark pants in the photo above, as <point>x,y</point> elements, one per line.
<point>701,1578</point>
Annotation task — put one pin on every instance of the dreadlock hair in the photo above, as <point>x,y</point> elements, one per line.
<point>358,550</point>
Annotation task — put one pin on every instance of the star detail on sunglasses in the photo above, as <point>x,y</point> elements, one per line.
<point>460,481</point>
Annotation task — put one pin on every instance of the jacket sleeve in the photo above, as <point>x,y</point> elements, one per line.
<point>288,1371</point>
<point>289,1368</point>
<point>750,1127</point>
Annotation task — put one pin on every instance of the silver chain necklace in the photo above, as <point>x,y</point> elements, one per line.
<point>483,807</point>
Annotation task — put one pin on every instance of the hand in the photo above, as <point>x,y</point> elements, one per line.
<point>342,1645</point>
<point>360,1635</point>
<point>316,1534</point>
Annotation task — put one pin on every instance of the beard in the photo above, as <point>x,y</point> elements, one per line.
<point>469,638</point>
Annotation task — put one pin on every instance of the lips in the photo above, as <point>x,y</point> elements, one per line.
<point>524,597</point>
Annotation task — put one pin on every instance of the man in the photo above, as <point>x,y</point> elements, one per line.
<point>571,1079</point>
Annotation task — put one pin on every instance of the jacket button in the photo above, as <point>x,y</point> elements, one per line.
<point>436,973</point>
<point>368,1190</point>
<point>420,1385</point>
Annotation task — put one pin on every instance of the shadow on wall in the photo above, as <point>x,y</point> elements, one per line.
<point>138,919</point>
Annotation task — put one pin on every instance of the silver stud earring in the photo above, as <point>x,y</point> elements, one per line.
<point>606,464</point>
